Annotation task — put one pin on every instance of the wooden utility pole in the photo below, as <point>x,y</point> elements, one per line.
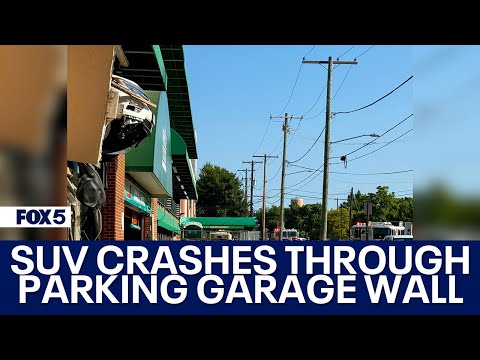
<point>326,159</point>
<point>350,223</point>
<point>251,183</point>
<point>284,163</point>
<point>264,200</point>
<point>246,183</point>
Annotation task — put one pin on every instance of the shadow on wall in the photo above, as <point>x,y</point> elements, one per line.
<point>33,136</point>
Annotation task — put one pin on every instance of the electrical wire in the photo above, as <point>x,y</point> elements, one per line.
<point>265,134</point>
<point>356,57</point>
<point>383,97</point>
<point>316,101</point>
<point>393,127</point>
<point>308,182</point>
<point>309,52</point>
<point>288,102</point>
<point>323,110</point>
<point>346,52</point>
<point>293,89</point>
<point>311,147</point>
<point>273,177</point>
<point>350,68</point>
<point>405,133</point>
<point>380,173</point>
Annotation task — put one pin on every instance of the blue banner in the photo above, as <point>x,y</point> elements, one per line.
<point>240,278</point>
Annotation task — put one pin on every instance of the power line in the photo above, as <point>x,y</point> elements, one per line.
<point>365,52</point>
<point>309,176</point>
<point>346,52</point>
<point>380,173</point>
<point>370,183</point>
<point>350,68</point>
<point>273,177</point>
<point>382,146</point>
<point>316,101</point>
<point>308,182</point>
<point>361,147</point>
<point>288,102</point>
<point>322,111</point>
<point>297,172</point>
<point>376,142</point>
<point>311,147</point>
<point>383,97</point>
<point>346,173</point>
<point>309,52</point>
<point>293,89</point>
<point>265,134</point>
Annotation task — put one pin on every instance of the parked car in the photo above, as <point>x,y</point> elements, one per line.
<point>134,121</point>
<point>398,237</point>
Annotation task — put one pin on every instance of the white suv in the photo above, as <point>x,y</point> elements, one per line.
<point>134,121</point>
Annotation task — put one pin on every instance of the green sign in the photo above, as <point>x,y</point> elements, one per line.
<point>231,227</point>
<point>136,197</point>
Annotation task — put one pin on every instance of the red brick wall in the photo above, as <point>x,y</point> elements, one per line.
<point>154,207</point>
<point>147,228</point>
<point>114,206</point>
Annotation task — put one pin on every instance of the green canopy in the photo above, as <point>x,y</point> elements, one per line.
<point>221,223</point>
<point>166,221</point>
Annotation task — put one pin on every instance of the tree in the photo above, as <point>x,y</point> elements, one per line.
<point>272,217</point>
<point>220,193</point>
<point>338,223</point>
<point>385,206</point>
<point>306,219</point>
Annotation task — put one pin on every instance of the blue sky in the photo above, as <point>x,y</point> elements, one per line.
<point>235,88</point>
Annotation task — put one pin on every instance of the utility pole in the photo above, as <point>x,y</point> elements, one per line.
<point>341,222</point>
<point>326,159</point>
<point>264,201</point>
<point>246,183</point>
<point>251,183</point>
<point>284,163</point>
<point>340,225</point>
<point>350,223</point>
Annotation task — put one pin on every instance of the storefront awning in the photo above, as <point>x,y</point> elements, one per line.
<point>178,96</point>
<point>144,65</point>
<point>184,182</point>
<point>166,221</point>
<point>221,223</point>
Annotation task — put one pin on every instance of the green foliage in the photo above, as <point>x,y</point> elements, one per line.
<point>220,193</point>
<point>306,219</point>
<point>272,216</point>
<point>337,223</point>
<point>385,207</point>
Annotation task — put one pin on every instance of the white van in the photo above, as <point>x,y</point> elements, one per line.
<point>398,238</point>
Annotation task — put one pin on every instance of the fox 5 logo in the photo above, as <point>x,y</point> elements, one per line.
<point>38,216</point>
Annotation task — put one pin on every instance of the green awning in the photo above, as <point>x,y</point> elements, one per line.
<point>178,96</point>
<point>184,182</point>
<point>145,67</point>
<point>166,221</point>
<point>222,223</point>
